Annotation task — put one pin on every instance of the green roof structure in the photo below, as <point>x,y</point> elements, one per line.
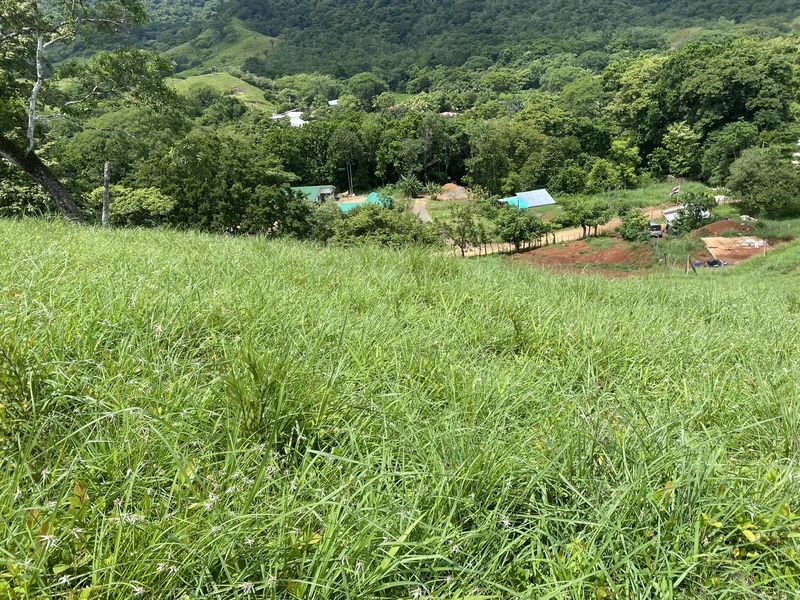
<point>314,192</point>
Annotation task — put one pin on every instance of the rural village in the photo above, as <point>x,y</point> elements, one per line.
<point>399,300</point>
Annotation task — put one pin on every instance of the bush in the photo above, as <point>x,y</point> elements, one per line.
<point>375,224</point>
<point>695,213</point>
<point>144,207</point>
<point>634,227</point>
<point>765,183</point>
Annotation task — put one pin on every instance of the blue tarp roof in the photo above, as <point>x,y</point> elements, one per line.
<point>372,198</point>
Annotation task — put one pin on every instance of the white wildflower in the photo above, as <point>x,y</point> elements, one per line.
<point>138,590</point>
<point>249,542</point>
<point>455,548</point>
<point>49,541</point>
<point>160,567</point>
<point>417,592</point>
<point>247,587</point>
<point>45,473</point>
<point>76,531</point>
<point>271,580</point>
<point>63,580</point>
<point>52,504</point>
<point>17,494</point>
<point>505,522</point>
<point>117,502</point>
<point>173,569</point>
<point>360,566</point>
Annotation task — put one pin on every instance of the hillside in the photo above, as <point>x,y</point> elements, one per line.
<point>193,415</point>
<point>355,35</point>
<point>226,84</point>
<point>227,49</point>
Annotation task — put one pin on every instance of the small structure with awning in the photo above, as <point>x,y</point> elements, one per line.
<point>531,199</point>
<point>317,193</point>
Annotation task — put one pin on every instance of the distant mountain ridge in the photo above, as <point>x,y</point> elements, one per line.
<point>346,36</point>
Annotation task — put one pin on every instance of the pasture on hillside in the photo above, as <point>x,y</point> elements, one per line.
<point>187,416</point>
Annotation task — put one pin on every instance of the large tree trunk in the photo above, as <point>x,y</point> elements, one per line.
<point>39,172</point>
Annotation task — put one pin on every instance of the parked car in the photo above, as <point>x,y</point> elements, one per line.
<point>655,229</point>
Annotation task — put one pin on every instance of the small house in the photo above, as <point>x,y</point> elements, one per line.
<point>671,214</point>
<point>295,117</point>
<point>317,193</point>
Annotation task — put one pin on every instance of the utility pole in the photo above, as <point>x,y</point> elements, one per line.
<point>106,193</point>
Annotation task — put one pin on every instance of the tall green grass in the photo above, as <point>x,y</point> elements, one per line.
<point>187,416</point>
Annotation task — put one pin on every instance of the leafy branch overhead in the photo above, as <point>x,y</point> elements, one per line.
<point>34,92</point>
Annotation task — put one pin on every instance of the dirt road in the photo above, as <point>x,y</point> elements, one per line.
<point>562,235</point>
<point>421,210</point>
<point>570,235</point>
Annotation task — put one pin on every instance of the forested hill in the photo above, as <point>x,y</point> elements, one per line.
<point>347,36</point>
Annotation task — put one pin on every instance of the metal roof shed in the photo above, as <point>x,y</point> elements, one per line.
<point>536,198</point>
<point>530,199</point>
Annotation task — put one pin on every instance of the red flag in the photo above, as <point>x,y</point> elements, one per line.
<point>675,191</point>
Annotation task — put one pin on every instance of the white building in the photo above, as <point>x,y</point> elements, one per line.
<point>295,117</point>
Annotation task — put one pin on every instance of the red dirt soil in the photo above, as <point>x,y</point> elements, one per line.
<point>718,227</point>
<point>734,250</point>
<point>575,256</point>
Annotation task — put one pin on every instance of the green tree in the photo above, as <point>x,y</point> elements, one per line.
<point>373,224</point>
<point>224,183</point>
<point>682,146</point>
<point>765,183</point>
<point>489,162</point>
<point>724,146</point>
<point>142,207</point>
<point>515,226</point>
<point>31,94</point>
<point>696,212</point>
<point>462,227</point>
<point>344,150</point>
<point>570,179</point>
<point>626,156</point>
<point>409,186</point>
<point>366,87</point>
<point>635,226</point>
<point>604,175</point>
<point>587,214</point>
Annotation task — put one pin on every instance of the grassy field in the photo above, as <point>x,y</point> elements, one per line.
<point>226,84</point>
<point>649,195</point>
<point>187,416</point>
<point>239,44</point>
